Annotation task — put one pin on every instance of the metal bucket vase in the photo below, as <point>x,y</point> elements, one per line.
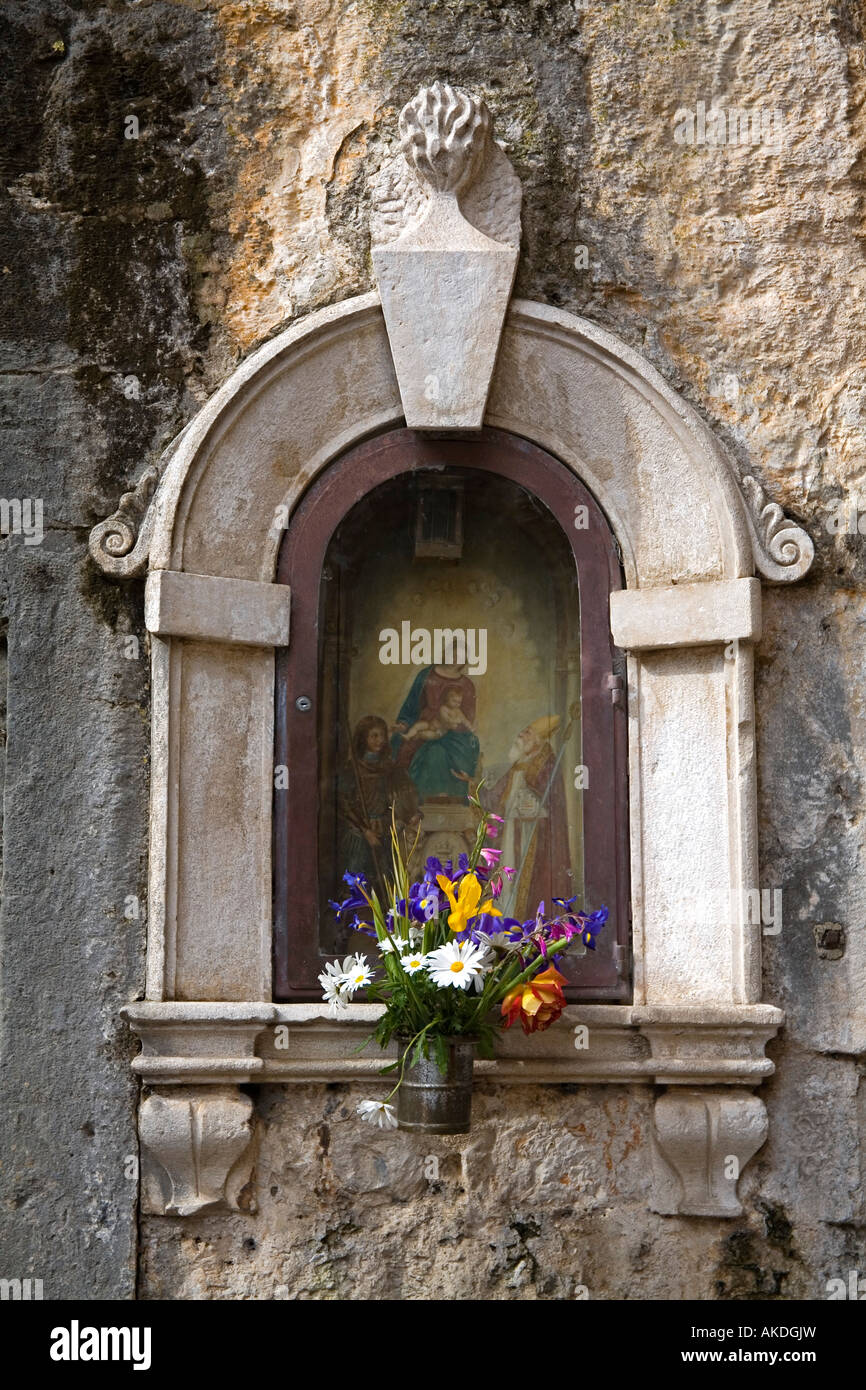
<point>432,1103</point>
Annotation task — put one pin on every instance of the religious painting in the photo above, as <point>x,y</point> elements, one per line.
<point>449,626</point>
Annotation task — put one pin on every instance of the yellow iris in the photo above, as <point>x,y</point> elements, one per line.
<point>465,904</point>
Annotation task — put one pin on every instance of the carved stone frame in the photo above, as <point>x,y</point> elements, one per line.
<point>689,616</point>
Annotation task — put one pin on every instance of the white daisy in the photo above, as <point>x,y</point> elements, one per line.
<point>456,963</point>
<point>393,943</point>
<point>331,977</point>
<point>416,935</point>
<point>411,963</point>
<point>333,985</point>
<point>332,971</point>
<point>501,939</point>
<point>337,1000</point>
<point>356,973</point>
<point>378,1112</point>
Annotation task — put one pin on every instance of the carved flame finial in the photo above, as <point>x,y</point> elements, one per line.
<point>446,239</point>
<point>443,134</point>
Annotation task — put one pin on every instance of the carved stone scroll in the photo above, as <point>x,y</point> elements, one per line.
<point>783,550</point>
<point>120,544</point>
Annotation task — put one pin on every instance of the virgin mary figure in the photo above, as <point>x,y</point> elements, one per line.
<point>433,737</point>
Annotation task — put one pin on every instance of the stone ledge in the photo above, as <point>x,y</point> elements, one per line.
<point>200,1043</point>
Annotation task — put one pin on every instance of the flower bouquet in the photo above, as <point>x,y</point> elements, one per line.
<point>453,972</point>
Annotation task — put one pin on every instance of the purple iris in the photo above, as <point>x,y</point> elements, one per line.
<point>355,902</point>
<point>594,923</point>
<point>432,904</point>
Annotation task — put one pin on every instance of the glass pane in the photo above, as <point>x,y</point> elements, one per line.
<point>449,655</point>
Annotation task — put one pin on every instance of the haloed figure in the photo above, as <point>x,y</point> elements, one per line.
<point>370,784</point>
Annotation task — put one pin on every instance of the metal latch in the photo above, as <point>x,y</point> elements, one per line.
<point>620,958</point>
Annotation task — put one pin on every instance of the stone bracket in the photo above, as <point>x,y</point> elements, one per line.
<point>213,609</point>
<point>196,1126</point>
<point>687,615</point>
<point>703,1140</point>
<point>120,545</point>
<point>197,1149</point>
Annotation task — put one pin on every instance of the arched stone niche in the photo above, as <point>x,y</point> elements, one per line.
<point>689,617</point>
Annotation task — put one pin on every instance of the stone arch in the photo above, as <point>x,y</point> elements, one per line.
<point>670,491</point>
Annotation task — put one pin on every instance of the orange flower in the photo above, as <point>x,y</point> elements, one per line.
<point>537,1003</point>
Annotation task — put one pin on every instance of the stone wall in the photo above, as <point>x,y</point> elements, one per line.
<point>137,273</point>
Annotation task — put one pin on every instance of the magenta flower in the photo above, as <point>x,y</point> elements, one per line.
<point>491,857</point>
<point>508,872</point>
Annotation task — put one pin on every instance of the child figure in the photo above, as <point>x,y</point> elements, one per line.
<point>435,723</point>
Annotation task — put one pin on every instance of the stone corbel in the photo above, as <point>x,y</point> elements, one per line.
<point>446,235</point>
<point>702,1141</point>
<point>197,1149</point>
<point>119,545</point>
<point>196,1126</point>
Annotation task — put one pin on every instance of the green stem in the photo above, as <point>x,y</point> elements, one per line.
<point>409,1046</point>
<point>505,984</point>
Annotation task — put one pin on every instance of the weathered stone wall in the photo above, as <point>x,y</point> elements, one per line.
<point>136,273</point>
